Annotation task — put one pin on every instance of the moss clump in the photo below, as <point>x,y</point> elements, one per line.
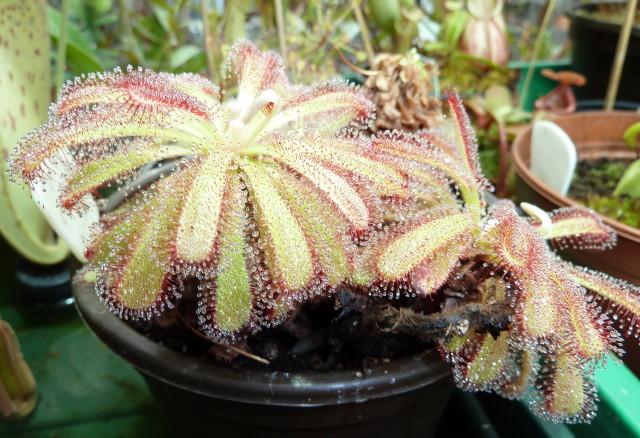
<point>593,185</point>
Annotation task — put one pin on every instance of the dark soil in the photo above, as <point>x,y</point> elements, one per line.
<point>593,185</point>
<point>320,338</point>
<point>347,330</point>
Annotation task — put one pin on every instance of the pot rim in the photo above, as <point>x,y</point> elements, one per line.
<point>521,167</point>
<point>253,386</point>
<point>598,23</point>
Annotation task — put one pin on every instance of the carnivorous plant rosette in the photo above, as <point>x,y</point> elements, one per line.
<point>269,186</point>
<point>275,196</point>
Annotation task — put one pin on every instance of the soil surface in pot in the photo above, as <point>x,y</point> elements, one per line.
<point>333,334</point>
<point>593,185</point>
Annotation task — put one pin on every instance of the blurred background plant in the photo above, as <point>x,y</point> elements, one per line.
<point>171,35</point>
<point>25,85</point>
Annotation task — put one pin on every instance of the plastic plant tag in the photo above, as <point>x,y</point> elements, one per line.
<point>73,227</point>
<point>553,156</point>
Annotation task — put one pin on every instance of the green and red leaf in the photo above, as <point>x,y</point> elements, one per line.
<point>138,91</point>
<point>421,246</point>
<point>200,208</point>
<point>228,297</point>
<point>511,242</point>
<point>619,299</point>
<point>567,392</point>
<point>340,191</point>
<point>537,315</point>
<point>525,368</point>
<point>322,225</point>
<point>466,142</point>
<point>329,107</point>
<point>284,242</point>
<point>133,259</point>
<point>255,70</point>
<point>413,156</point>
<point>581,330</point>
<point>97,173</point>
<point>487,363</point>
<point>340,154</point>
<point>577,227</point>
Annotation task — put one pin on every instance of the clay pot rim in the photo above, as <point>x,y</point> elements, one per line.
<point>521,167</point>
<point>252,386</point>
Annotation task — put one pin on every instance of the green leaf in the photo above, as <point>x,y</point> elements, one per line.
<point>488,365</point>
<point>498,102</point>
<point>321,224</point>
<point>438,230</point>
<point>629,183</point>
<point>200,213</point>
<point>287,248</point>
<point>80,57</point>
<point>630,135</point>
<point>182,55</point>
<point>454,25</point>
<point>233,298</point>
<point>17,386</point>
<point>133,255</point>
<point>95,173</point>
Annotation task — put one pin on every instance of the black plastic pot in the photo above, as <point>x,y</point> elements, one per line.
<point>44,291</point>
<point>404,397</point>
<point>594,46</point>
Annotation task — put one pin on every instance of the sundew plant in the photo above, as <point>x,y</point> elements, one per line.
<point>276,195</point>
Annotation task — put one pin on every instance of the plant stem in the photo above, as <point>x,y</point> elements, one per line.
<point>364,32</point>
<point>131,43</point>
<point>221,345</point>
<point>282,38</point>
<point>208,41</point>
<point>61,62</point>
<point>235,19</point>
<point>434,326</point>
<point>537,46</point>
<point>504,158</point>
<point>621,52</point>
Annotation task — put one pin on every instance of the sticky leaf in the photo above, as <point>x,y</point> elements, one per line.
<point>436,231</point>
<point>287,245</point>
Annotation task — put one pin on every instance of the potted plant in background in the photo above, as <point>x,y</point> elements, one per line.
<point>273,201</point>
<point>600,145</point>
<point>597,135</point>
<point>595,27</point>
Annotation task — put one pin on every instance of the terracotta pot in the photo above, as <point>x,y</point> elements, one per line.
<point>404,397</point>
<point>596,135</point>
